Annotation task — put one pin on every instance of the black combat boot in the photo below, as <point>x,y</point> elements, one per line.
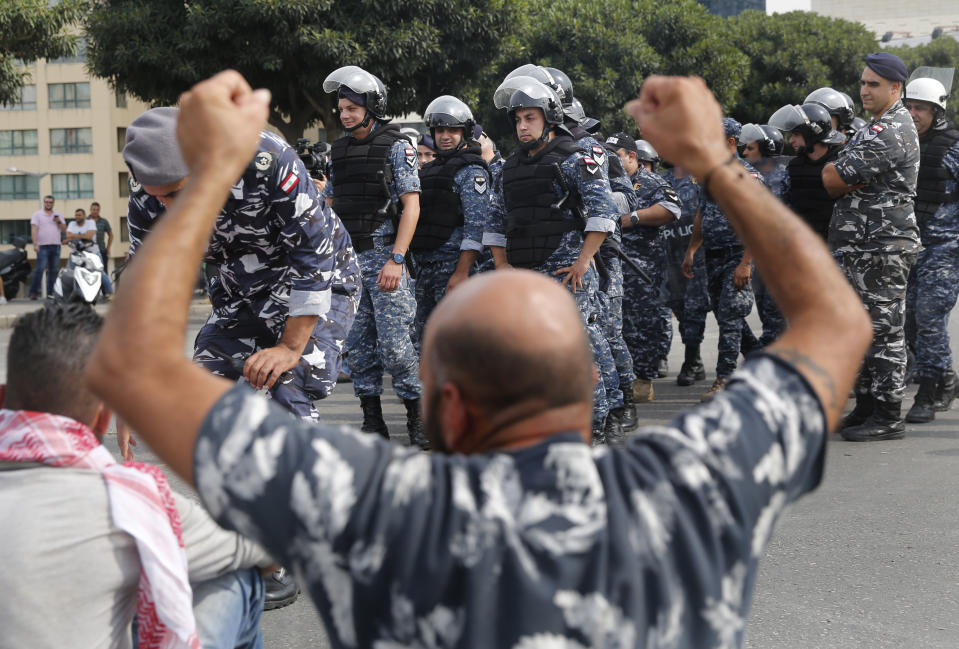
<point>884,423</point>
<point>613,429</point>
<point>859,414</point>
<point>281,590</point>
<point>692,369</point>
<point>946,391</point>
<point>414,425</point>
<point>923,410</point>
<point>627,418</point>
<point>599,433</point>
<point>373,417</point>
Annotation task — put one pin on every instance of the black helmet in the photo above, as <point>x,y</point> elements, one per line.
<point>812,121</point>
<point>527,92</point>
<point>359,82</point>
<point>770,139</point>
<point>450,112</point>
<point>837,103</point>
<point>576,113</point>
<point>646,152</point>
<point>857,124</point>
<point>562,84</point>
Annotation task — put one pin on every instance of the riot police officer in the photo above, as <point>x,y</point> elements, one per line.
<point>454,206</point>
<point>374,171</point>
<point>934,281</point>
<point>816,144</point>
<point>553,209</point>
<point>839,104</point>
<point>874,236</point>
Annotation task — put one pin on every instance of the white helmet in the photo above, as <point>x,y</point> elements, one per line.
<point>926,89</point>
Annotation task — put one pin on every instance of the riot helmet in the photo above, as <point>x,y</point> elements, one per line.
<point>562,84</point>
<point>857,124</point>
<point>450,112</point>
<point>811,121</point>
<point>769,139</point>
<point>576,113</point>
<point>834,102</point>
<point>646,152</point>
<point>528,92</point>
<point>928,90</point>
<point>360,86</point>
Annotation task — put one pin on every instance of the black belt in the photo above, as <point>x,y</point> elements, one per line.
<point>366,242</point>
<point>727,251</point>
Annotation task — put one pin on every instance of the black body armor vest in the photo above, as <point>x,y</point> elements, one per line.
<point>358,193</point>
<point>807,195</point>
<point>441,211</point>
<point>931,187</point>
<point>534,227</point>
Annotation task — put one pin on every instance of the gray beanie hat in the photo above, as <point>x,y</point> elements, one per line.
<point>151,150</point>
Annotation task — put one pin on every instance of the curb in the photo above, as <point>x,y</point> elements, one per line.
<point>7,319</point>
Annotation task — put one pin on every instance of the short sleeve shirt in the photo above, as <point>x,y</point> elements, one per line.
<point>555,545</point>
<point>48,231</point>
<point>75,228</point>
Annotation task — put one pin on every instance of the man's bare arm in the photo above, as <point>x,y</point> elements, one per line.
<point>829,330</point>
<point>654,215</point>
<point>163,395</point>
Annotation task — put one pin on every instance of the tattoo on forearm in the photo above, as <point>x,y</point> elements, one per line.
<point>803,361</point>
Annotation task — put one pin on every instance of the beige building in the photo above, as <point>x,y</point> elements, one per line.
<point>903,19</point>
<point>64,138</point>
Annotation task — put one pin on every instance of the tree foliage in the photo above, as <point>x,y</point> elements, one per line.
<point>31,30</point>
<point>942,52</point>
<point>419,48</point>
<point>792,54</point>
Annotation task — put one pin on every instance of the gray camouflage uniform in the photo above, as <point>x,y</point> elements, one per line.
<point>874,237</point>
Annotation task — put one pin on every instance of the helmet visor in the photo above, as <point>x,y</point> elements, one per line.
<point>509,86</point>
<point>355,78</point>
<point>751,133</point>
<point>788,118</point>
<point>447,111</point>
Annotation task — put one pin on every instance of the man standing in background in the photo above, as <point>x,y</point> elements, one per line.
<point>46,226</point>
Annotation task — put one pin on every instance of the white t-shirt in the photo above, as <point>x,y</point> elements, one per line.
<point>88,225</point>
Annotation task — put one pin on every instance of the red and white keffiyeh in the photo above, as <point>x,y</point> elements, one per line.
<point>141,505</point>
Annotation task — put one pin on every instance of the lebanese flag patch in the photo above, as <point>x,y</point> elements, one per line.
<point>479,184</point>
<point>291,181</point>
<point>878,128</point>
<point>599,154</point>
<point>410,156</point>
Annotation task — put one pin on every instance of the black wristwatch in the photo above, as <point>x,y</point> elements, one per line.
<point>398,258</point>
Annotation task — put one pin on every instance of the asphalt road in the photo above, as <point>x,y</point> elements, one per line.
<point>871,559</point>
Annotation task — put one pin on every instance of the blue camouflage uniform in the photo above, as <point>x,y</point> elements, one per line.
<point>776,175</point>
<point>435,266</point>
<point>277,251</point>
<point>874,236</point>
<point>644,304</point>
<point>723,251</point>
<point>583,177</point>
<point>688,299</point>
<point>555,545</point>
<point>934,281</point>
<point>381,337</point>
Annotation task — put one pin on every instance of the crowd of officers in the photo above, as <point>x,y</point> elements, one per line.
<point>292,294</point>
<point>637,248</point>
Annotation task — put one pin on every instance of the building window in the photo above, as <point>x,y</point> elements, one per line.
<point>72,186</point>
<point>14,228</point>
<point>69,95</point>
<point>121,139</point>
<point>27,101</point>
<point>71,140</point>
<point>18,142</point>
<point>124,229</point>
<point>80,56</point>
<point>121,99</point>
<point>123,184</point>
<point>19,188</point>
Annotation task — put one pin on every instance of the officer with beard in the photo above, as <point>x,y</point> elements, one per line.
<point>934,281</point>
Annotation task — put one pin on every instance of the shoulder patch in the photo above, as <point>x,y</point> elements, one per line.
<point>671,194</point>
<point>754,174</point>
<point>590,168</point>
<point>599,154</point>
<point>878,128</point>
<point>263,160</point>
<point>291,181</point>
<point>479,184</point>
<point>410,154</point>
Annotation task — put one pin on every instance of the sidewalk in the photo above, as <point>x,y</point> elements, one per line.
<point>199,308</point>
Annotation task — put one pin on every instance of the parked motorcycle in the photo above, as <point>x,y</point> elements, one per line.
<point>14,267</point>
<point>80,279</point>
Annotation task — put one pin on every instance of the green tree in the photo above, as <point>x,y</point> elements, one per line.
<point>942,52</point>
<point>419,48</point>
<point>31,30</point>
<point>609,48</point>
<point>794,53</point>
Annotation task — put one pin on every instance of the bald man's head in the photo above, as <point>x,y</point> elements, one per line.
<point>510,340</point>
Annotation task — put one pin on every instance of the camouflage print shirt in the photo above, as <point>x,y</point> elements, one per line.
<point>644,241</point>
<point>717,231</point>
<point>677,234</point>
<point>884,157</point>
<point>944,224</point>
<point>777,176</point>
<point>277,250</point>
<point>587,186</point>
<point>471,184</point>
<point>557,545</point>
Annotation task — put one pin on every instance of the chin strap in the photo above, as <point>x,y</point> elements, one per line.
<point>366,122</point>
<point>532,144</point>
